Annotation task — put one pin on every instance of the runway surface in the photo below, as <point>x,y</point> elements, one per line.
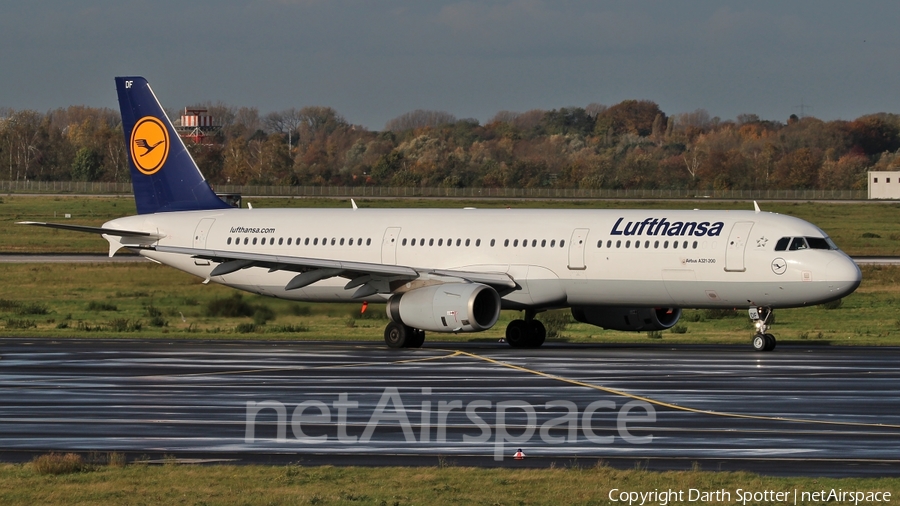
<point>798,410</point>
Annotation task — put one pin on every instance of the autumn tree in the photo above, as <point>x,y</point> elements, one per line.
<point>871,135</point>
<point>632,116</point>
<point>798,170</point>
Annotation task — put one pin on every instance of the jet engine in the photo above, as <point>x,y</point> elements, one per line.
<point>448,307</point>
<point>623,318</point>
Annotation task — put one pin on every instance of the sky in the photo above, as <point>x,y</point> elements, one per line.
<point>375,60</point>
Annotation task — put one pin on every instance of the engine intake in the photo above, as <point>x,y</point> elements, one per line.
<point>623,318</point>
<point>449,307</point>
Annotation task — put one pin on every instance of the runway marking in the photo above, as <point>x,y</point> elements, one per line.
<point>297,368</point>
<point>669,405</point>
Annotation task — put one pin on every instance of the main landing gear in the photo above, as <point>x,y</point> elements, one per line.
<point>527,333</point>
<point>761,317</point>
<point>397,335</point>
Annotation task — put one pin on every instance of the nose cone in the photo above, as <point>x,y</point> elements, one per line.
<point>843,276</point>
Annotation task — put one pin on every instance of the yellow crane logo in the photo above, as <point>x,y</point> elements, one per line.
<point>149,145</point>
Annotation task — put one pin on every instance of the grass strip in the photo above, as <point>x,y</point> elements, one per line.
<point>147,300</point>
<point>569,483</point>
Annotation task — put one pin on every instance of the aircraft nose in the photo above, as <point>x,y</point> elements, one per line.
<point>843,276</point>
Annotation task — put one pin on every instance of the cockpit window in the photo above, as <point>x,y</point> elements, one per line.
<point>817,243</point>
<point>798,243</point>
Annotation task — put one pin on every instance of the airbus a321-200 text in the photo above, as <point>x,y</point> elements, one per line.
<point>454,270</point>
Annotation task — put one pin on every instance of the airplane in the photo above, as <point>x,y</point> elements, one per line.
<point>454,270</point>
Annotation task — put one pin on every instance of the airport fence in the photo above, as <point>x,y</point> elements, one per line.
<point>105,188</point>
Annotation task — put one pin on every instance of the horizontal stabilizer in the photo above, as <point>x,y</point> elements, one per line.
<point>92,230</point>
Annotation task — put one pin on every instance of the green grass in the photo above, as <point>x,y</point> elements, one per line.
<point>569,483</point>
<point>148,300</point>
<point>858,228</point>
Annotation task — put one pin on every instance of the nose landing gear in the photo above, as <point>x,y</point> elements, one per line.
<point>762,340</point>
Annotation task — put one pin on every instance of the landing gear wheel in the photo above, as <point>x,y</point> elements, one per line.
<point>416,339</point>
<point>517,333</point>
<point>760,343</point>
<point>538,334</point>
<point>526,333</point>
<point>762,318</point>
<point>396,335</point>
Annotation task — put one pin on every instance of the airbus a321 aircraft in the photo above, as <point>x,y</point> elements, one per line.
<point>454,270</point>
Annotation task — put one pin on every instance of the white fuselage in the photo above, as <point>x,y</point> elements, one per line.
<point>559,258</point>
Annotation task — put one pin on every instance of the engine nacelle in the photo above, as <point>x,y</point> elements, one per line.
<point>449,307</point>
<point>623,318</point>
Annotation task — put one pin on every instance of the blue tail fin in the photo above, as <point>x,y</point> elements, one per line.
<point>163,173</point>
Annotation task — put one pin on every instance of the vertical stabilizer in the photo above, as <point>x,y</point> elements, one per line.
<point>163,173</point>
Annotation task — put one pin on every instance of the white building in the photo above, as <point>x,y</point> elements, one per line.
<point>884,184</point>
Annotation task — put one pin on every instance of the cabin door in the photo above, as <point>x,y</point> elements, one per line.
<point>737,243</point>
<point>389,246</point>
<point>576,249</point>
<point>200,234</point>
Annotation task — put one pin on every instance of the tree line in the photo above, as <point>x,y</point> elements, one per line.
<point>630,145</point>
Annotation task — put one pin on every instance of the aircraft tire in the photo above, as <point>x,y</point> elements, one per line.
<point>396,335</point>
<point>416,339</point>
<point>770,342</point>
<point>538,334</point>
<point>517,333</point>
<point>760,342</point>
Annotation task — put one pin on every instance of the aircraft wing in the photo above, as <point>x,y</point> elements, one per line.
<point>370,278</point>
